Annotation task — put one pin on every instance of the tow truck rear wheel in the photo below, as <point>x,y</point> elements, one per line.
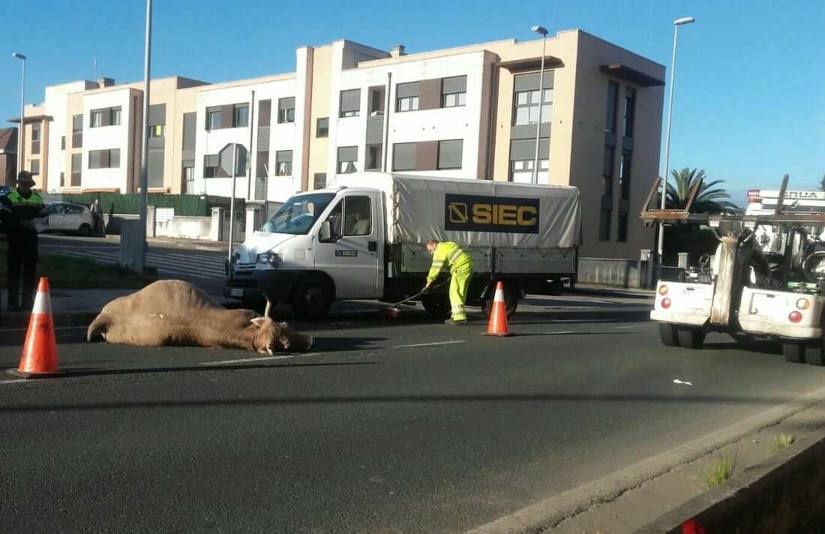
<point>667,332</point>
<point>793,352</point>
<point>815,355</point>
<point>691,338</point>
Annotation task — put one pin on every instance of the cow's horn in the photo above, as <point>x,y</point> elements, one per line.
<point>268,306</point>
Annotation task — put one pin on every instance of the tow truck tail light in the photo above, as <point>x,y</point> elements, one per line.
<point>794,316</point>
<point>663,289</point>
<point>803,304</point>
<point>666,304</point>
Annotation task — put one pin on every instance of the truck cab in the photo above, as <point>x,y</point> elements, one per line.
<point>318,246</point>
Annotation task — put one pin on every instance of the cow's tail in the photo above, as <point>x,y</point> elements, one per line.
<point>97,330</point>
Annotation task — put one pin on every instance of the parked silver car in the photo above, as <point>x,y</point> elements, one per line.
<point>70,217</point>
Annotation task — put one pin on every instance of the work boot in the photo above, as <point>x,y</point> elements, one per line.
<point>455,322</point>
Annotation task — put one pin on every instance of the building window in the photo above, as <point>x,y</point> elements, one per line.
<point>319,180</point>
<point>240,115</point>
<point>188,178</point>
<point>527,107</point>
<point>104,117</point>
<point>449,154</point>
<point>403,157</point>
<point>211,167</point>
<point>350,103</point>
<point>604,224</point>
<point>521,171</point>
<point>453,91</point>
<point>262,164</point>
<point>357,216</point>
<point>62,179</point>
<point>35,139</point>
<point>77,165</point>
<point>624,176</point>
<point>406,96</point>
<point>629,110</point>
<point>612,106</point>
<point>214,118</point>
<point>376,101</point>
<point>283,162</point>
<point>156,130</point>
<point>322,127</point>
<point>104,159</point>
<point>34,166</point>
<point>63,142</point>
<point>286,110</point>
<point>77,131</point>
<point>622,229</point>
<point>374,154</point>
<point>607,170</point>
<point>347,158</point>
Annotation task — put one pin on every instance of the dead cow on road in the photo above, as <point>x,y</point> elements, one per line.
<point>173,312</point>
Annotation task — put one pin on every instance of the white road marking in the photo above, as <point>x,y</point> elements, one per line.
<point>262,358</point>
<point>435,343</point>
<point>15,381</point>
<point>629,326</point>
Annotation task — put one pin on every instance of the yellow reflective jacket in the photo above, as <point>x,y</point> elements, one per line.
<point>448,254</point>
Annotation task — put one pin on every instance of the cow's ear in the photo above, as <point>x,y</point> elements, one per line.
<point>258,321</point>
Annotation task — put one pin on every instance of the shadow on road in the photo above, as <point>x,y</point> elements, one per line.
<point>397,399</point>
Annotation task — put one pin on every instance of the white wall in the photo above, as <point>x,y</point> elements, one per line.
<point>281,136</point>
<point>56,104</point>
<point>413,126</point>
<point>108,137</point>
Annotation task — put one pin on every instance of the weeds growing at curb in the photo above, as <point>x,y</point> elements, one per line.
<point>720,471</point>
<point>782,441</point>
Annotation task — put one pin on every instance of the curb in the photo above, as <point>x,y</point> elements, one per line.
<point>782,494</point>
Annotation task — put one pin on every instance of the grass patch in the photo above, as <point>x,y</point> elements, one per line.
<point>70,272</point>
<point>720,471</point>
<point>782,441</point>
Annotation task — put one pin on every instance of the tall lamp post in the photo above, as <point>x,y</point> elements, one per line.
<point>676,23</point>
<point>144,158</point>
<point>543,32</point>
<point>21,132</point>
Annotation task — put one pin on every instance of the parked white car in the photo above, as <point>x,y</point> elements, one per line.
<point>70,217</point>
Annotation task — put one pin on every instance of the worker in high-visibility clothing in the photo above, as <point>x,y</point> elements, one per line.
<point>449,255</point>
<point>20,211</point>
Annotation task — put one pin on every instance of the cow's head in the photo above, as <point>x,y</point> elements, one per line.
<point>272,337</point>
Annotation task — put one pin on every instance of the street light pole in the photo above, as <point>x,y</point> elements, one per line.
<point>543,32</point>
<point>232,202</point>
<point>676,24</point>
<point>21,132</point>
<point>144,158</point>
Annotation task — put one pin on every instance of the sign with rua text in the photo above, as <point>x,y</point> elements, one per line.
<point>477,213</point>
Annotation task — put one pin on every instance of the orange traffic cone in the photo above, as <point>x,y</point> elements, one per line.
<point>498,315</point>
<point>40,349</point>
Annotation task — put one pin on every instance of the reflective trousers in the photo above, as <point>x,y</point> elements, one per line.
<point>459,281</point>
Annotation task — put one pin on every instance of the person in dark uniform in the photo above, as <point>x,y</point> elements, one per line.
<point>19,209</point>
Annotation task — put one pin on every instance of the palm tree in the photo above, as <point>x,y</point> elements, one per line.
<point>710,198</point>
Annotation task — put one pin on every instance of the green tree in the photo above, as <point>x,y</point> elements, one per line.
<point>711,198</point>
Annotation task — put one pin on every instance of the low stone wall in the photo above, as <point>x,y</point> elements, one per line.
<point>612,272</point>
<point>185,227</point>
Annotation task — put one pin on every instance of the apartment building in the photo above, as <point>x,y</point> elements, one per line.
<point>468,112</point>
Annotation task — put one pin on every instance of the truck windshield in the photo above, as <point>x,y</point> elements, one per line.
<point>298,214</point>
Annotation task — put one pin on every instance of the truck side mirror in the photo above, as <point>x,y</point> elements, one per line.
<point>325,234</point>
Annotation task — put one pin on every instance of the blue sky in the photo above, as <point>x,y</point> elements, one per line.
<point>750,88</point>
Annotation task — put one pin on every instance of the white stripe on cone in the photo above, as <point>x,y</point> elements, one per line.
<point>42,304</point>
<point>499,295</point>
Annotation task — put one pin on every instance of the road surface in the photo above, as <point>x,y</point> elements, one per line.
<point>404,426</point>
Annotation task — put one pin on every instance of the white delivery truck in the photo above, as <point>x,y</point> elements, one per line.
<point>364,238</point>
<point>766,280</point>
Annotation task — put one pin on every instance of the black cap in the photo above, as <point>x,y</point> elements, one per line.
<point>25,177</point>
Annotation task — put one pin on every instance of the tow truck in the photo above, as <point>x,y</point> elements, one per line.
<point>765,280</point>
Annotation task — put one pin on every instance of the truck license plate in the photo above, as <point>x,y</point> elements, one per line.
<point>236,292</point>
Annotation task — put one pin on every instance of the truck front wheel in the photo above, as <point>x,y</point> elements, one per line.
<point>793,352</point>
<point>438,306</point>
<point>667,332</point>
<point>311,299</point>
<point>691,338</point>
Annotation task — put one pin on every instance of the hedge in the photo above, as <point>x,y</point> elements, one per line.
<point>189,205</point>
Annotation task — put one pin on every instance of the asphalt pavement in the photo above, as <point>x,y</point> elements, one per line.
<point>404,426</point>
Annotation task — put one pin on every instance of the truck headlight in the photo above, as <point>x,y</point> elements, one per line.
<point>269,258</point>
